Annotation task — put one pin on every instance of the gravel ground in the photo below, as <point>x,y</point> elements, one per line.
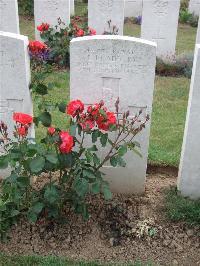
<point>123,230</point>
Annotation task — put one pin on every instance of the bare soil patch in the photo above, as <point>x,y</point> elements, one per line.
<point>123,230</point>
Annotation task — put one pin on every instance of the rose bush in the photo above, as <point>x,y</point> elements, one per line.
<point>67,161</point>
<point>58,38</point>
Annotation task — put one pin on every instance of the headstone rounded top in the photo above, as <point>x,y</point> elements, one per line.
<point>13,35</point>
<point>114,37</point>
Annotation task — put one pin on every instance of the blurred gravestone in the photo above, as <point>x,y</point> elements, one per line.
<point>48,11</point>
<point>102,11</point>
<point>9,19</point>
<point>159,24</point>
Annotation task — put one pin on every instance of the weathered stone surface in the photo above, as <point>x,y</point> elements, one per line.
<point>101,11</point>
<point>72,7</point>
<point>159,24</point>
<point>189,169</point>
<point>14,78</point>
<point>198,32</point>
<point>48,11</point>
<point>108,67</point>
<point>133,8</point>
<point>9,19</point>
<point>194,7</point>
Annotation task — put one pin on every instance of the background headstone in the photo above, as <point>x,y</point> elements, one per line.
<point>14,79</point>
<point>9,19</point>
<point>194,7</point>
<point>198,33</point>
<point>189,170</point>
<point>72,7</point>
<point>159,24</point>
<point>101,11</point>
<point>110,67</point>
<point>48,11</point>
<point>133,8</point>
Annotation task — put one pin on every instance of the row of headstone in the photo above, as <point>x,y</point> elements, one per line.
<point>156,25</point>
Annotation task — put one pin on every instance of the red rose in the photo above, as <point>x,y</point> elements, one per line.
<point>22,118</point>
<point>67,142</point>
<point>94,109</point>
<point>79,33</point>
<point>87,124</point>
<point>51,130</point>
<point>22,131</point>
<point>43,27</point>
<point>92,31</point>
<point>75,107</point>
<point>105,123</point>
<point>37,47</point>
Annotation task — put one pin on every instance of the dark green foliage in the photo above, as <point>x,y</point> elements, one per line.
<point>182,66</point>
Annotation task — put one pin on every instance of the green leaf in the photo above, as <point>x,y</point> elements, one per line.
<point>103,139</point>
<point>37,164</point>
<point>122,150</point>
<point>72,130</point>
<point>14,213</point>
<point>96,160</point>
<point>41,89</point>
<point>88,156</point>
<point>106,192</point>
<point>89,173</point>
<point>113,161</point>
<point>51,194</point>
<point>103,113</point>
<point>62,107</point>
<point>93,148</point>
<point>81,186</point>
<point>34,211</point>
<point>32,217</point>
<point>95,135</point>
<point>121,162</point>
<point>37,207</point>
<point>3,162</point>
<point>66,160</point>
<point>52,157</point>
<point>95,188</point>
<point>45,118</point>
<point>23,181</point>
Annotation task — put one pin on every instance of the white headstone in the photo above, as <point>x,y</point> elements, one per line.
<point>72,7</point>
<point>189,169</point>
<point>9,19</point>
<point>105,67</point>
<point>159,24</point>
<point>194,7</point>
<point>102,11</point>
<point>14,79</point>
<point>198,33</point>
<point>48,11</point>
<point>133,8</point>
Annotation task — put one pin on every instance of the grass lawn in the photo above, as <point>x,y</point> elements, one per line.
<point>6,260</point>
<point>170,98</point>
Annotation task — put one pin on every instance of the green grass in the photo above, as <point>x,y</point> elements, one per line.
<point>6,260</point>
<point>168,119</point>
<point>183,209</point>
